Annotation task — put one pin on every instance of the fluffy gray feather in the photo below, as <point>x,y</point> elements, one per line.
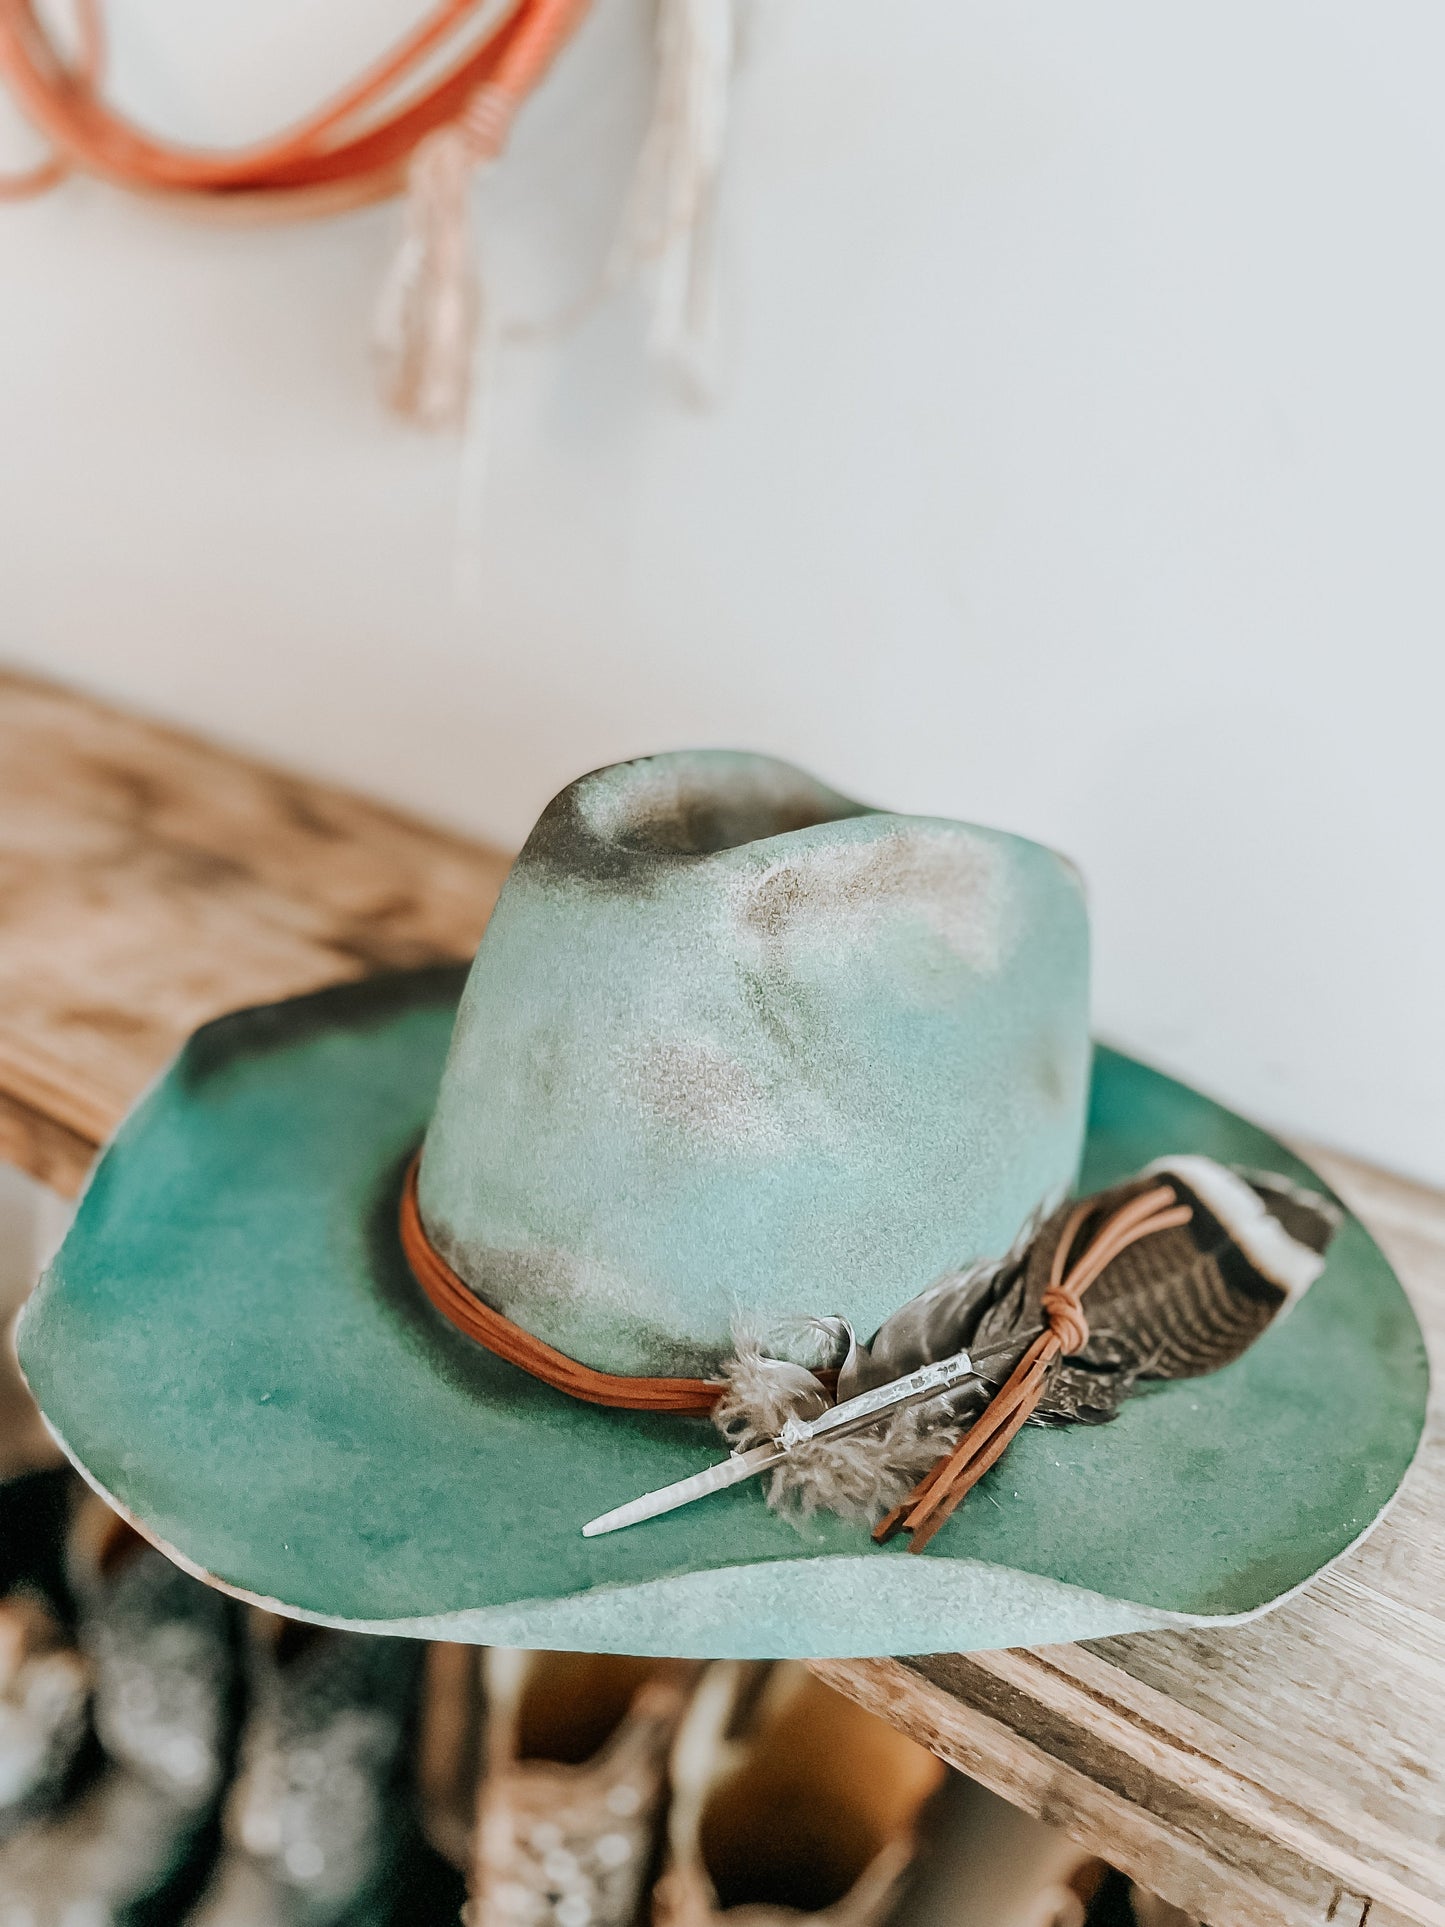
<point>1176,1305</point>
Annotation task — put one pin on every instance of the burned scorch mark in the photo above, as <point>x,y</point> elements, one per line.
<point>629,828</point>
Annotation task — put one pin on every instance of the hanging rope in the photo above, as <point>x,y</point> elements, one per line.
<point>428,115</point>
<point>387,128</point>
<point>355,147</point>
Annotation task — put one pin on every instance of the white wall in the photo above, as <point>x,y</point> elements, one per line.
<point>1080,467</point>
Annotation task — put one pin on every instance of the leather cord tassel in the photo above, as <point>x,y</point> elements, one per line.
<point>433,303</point>
<point>668,227</point>
<point>430,308</point>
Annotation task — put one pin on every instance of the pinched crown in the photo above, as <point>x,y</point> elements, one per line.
<point>738,1051</point>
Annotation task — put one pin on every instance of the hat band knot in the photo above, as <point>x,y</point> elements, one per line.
<point>955,1473</point>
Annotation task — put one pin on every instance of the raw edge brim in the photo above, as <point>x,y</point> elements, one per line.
<point>378,1504</point>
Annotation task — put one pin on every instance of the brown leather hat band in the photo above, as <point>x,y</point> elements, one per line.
<point>694,1397</point>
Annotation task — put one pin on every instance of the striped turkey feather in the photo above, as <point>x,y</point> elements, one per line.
<point>1179,1303</point>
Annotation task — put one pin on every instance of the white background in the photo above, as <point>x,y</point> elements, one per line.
<point>1079,466</point>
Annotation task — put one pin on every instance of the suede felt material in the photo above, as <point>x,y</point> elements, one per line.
<point>737,1051</point>
<point>231,1345</point>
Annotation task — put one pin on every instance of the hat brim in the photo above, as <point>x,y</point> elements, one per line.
<point>230,1346</point>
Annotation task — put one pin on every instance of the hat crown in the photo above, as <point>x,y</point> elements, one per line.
<point>738,1051</point>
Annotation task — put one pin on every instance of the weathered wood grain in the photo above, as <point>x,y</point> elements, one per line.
<point>149,881</point>
<point>1291,1771</point>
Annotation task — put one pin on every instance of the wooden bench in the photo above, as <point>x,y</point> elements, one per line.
<point>1292,1771</point>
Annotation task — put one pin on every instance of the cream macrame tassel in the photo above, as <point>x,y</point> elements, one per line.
<point>431,306</point>
<point>671,214</point>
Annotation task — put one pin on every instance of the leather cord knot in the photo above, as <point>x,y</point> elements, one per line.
<point>1066,1320</point>
<point>943,1489</point>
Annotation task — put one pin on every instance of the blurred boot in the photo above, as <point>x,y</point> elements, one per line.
<point>318,1818</point>
<point>165,1653</point>
<point>449,1749</point>
<point>44,1719</point>
<point>984,1863</point>
<point>36,1508</point>
<point>789,1802</point>
<point>114,1857</point>
<point>134,1846</point>
<point>574,1759</point>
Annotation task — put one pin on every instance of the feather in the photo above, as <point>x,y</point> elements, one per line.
<point>857,1478</point>
<point>1181,1302</point>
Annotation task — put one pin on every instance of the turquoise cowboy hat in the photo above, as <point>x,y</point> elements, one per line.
<point>735,1052</point>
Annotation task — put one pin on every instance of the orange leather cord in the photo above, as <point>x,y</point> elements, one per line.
<point>934,1499</point>
<point>86,73</point>
<point>353,144</point>
<point>692,1397</point>
<point>942,1490</point>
